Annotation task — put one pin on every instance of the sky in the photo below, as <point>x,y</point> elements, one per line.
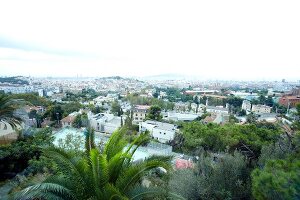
<point>228,40</point>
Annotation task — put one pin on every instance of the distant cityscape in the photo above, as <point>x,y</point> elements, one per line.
<point>194,123</point>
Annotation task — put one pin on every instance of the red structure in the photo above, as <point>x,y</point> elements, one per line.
<point>292,100</point>
<point>183,164</point>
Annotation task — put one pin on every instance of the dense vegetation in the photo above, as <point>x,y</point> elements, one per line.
<point>135,99</point>
<point>238,162</point>
<point>213,137</point>
<point>221,176</point>
<point>32,98</point>
<point>16,157</point>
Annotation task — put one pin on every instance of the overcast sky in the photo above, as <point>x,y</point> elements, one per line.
<point>219,39</point>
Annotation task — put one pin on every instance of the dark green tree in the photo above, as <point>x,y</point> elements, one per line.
<point>279,179</point>
<point>262,99</point>
<point>154,113</point>
<point>116,108</point>
<point>269,101</point>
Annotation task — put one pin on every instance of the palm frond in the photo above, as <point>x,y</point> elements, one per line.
<point>133,174</point>
<point>99,168</point>
<point>44,190</point>
<point>67,166</point>
<point>115,144</point>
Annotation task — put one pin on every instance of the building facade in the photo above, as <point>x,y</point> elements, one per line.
<point>212,109</point>
<point>291,101</point>
<point>163,132</point>
<point>246,105</point>
<point>261,109</point>
<point>139,113</point>
<point>105,123</point>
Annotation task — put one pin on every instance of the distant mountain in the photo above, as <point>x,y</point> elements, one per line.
<point>17,80</point>
<point>117,78</point>
<point>112,77</point>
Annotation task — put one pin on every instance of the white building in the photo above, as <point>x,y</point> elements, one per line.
<point>246,105</point>
<point>213,109</point>
<point>68,121</point>
<point>163,132</point>
<point>100,100</point>
<point>139,113</point>
<point>125,106</point>
<point>174,116</point>
<point>261,109</point>
<point>181,107</point>
<point>42,92</point>
<point>104,122</point>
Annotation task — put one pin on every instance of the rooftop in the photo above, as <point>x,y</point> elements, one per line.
<point>68,119</point>
<point>217,108</point>
<point>161,125</point>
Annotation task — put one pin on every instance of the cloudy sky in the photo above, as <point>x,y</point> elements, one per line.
<point>232,39</point>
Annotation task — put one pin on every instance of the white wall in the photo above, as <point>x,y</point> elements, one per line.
<point>163,135</point>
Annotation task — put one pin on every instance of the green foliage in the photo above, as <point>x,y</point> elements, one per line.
<point>184,182</point>
<point>279,179</point>
<point>7,108</point>
<point>233,119</point>
<point>230,136</point>
<point>55,112</point>
<point>269,101</point>
<point>235,101</point>
<point>84,95</point>
<point>71,142</point>
<point>96,175</point>
<point>213,101</point>
<point>96,109</point>
<point>135,99</point>
<point>89,139</point>
<point>251,118</point>
<point>278,175</point>
<point>242,112</point>
<point>81,120</point>
<point>154,113</point>
<point>298,109</point>
<point>16,156</point>
<point>71,107</point>
<point>216,176</point>
<point>261,99</point>
<point>32,98</point>
<point>116,108</point>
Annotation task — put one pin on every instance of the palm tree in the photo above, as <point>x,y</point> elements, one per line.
<point>106,175</point>
<point>7,108</point>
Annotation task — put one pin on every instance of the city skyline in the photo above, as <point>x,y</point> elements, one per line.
<point>231,40</point>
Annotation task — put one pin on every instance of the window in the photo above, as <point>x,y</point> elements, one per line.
<point>164,133</point>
